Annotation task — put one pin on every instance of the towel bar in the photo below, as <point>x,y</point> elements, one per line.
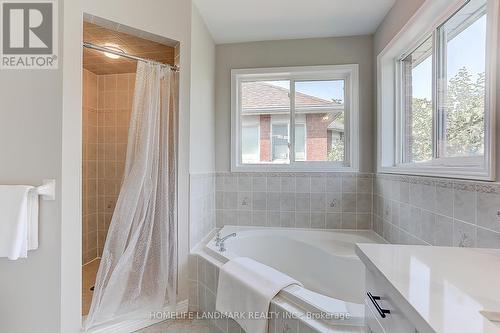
<point>48,190</point>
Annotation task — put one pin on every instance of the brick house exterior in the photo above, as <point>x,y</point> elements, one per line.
<point>317,137</point>
<point>265,104</point>
<point>265,137</point>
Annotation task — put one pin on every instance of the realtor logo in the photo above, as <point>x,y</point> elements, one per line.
<point>29,39</point>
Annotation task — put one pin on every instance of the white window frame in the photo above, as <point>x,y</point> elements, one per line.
<point>389,152</point>
<point>348,73</point>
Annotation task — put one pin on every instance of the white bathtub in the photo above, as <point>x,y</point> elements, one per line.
<point>323,261</point>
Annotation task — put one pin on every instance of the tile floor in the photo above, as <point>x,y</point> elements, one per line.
<point>179,326</point>
<point>89,272</point>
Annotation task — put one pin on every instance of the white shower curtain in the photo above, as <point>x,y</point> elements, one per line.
<point>138,270</point>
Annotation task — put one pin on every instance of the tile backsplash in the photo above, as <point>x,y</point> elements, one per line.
<point>402,209</point>
<point>301,200</point>
<point>437,211</point>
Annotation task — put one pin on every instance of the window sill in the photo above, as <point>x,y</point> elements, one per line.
<point>307,167</point>
<point>467,173</point>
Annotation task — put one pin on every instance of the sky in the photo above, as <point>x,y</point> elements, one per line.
<point>466,49</point>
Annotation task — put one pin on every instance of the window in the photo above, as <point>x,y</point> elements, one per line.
<point>250,143</point>
<point>337,146</point>
<point>443,90</point>
<point>300,142</point>
<point>280,143</point>
<point>417,103</point>
<point>319,104</point>
<point>462,47</point>
<point>295,118</point>
<point>266,106</point>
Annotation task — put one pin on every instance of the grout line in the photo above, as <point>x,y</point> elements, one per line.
<point>475,219</point>
<point>91,261</point>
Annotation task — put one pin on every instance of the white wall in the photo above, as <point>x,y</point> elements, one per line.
<point>202,129</point>
<point>395,19</point>
<point>300,52</point>
<point>40,137</point>
<point>30,150</point>
<point>71,203</point>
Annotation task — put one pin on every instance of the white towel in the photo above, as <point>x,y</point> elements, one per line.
<point>247,286</point>
<point>18,220</point>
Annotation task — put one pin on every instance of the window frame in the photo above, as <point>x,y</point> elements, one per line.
<point>390,119</point>
<point>400,101</point>
<point>348,73</point>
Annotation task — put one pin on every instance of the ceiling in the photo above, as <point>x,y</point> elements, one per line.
<point>231,21</point>
<point>98,63</point>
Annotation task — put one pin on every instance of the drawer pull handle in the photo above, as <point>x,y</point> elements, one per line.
<point>374,299</point>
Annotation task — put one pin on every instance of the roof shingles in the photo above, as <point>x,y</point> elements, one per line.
<point>264,95</point>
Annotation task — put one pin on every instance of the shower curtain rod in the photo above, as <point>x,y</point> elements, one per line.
<point>126,55</point>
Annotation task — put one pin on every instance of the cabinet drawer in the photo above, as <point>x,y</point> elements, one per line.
<point>392,322</point>
<point>372,324</point>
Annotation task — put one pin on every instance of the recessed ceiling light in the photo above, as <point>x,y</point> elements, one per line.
<point>113,47</point>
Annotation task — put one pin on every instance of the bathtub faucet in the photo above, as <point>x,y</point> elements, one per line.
<point>220,241</point>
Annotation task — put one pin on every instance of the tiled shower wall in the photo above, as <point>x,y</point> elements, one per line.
<point>115,96</point>
<point>202,206</point>
<point>302,200</point>
<point>436,211</point>
<point>107,103</point>
<point>89,167</point>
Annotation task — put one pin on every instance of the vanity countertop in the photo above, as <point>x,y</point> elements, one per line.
<point>443,288</point>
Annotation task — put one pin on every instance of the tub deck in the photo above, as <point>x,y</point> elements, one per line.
<point>323,260</point>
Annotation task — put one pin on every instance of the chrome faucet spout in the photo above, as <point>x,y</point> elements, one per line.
<point>221,241</point>
<point>227,236</point>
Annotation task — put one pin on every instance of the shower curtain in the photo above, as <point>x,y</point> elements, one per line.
<point>138,269</point>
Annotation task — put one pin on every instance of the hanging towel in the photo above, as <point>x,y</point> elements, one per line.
<point>247,286</point>
<point>18,220</point>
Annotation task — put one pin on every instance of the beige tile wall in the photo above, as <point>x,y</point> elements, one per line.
<point>107,102</point>
<point>89,204</point>
<point>115,93</point>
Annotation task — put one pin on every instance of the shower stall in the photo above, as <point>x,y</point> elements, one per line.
<point>129,172</point>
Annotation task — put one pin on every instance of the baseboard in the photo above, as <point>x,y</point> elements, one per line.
<point>128,326</point>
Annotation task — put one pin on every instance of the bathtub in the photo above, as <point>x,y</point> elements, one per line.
<point>324,261</point>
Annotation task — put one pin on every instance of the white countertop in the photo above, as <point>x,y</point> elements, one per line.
<point>445,286</point>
